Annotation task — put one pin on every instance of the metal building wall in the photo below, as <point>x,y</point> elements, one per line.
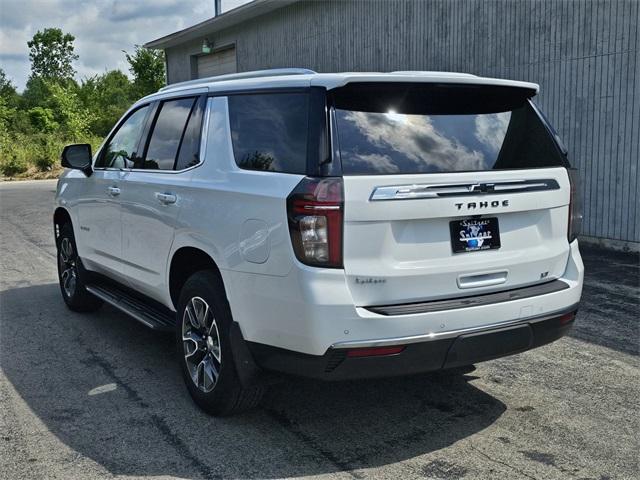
<point>583,53</point>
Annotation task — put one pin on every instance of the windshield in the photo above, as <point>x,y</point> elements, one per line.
<point>432,129</point>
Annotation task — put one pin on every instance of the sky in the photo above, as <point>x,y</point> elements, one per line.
<point>103,28</point>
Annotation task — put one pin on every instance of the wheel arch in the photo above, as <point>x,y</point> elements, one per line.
<point>61,216</point>
<point>185,262</point>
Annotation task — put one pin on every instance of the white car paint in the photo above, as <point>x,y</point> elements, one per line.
<point>238,217</point>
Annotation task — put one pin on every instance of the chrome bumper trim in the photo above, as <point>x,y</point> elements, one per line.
<point>387,342</point>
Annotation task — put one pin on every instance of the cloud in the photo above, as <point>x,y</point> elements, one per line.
<point>491,129</point>
<point>103,28</point>
<point>413,139</point>
<point>375,162</point>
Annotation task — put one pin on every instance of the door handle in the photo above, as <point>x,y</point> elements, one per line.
<point>166,198</point>
<point>113,191</point>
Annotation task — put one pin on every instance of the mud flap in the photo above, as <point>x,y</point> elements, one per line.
<point>248,371</point>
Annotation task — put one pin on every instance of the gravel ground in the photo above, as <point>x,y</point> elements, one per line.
<point>100,396</point>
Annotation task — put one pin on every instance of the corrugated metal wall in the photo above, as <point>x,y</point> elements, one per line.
<point>583,53</point>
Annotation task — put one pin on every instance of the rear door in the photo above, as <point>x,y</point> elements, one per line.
<point>449,191</point>
<point>154,191</point>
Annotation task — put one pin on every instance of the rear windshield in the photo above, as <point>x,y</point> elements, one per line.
<point>400,129</point>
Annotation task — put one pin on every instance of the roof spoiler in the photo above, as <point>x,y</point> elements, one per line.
<point>274,72</point>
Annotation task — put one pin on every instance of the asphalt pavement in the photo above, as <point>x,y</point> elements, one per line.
<point>85,396</point>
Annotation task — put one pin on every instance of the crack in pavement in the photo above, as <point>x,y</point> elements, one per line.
<point>293,428</point>
<point>500,462</point>
<point>171,437</point>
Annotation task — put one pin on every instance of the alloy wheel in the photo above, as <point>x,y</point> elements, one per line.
<point>201,344</point>
<point>68,267</point>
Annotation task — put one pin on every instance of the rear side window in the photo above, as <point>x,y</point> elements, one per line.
<point>167,133</point>
<point>269,131</point>
<point>189,152</point>
<point>398,129</point>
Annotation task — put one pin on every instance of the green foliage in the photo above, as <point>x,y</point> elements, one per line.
<point>51,52</point>
<point>40,152</point>
<point>12,165</point>
<point>36,93</point>
<point>6,85</point>
<point>8,101</point>
<point>147,68</point>
<point>73,118</point>
<point>6,114</point>
<point>55,110</point>
<point>12,161</point>
<point>43,120</point>
<point>8,90</point>
<point>46,150</point>
<point>107,97</point>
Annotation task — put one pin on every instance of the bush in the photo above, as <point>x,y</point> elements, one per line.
<point>43,119</point>
<point>12,166</point>
<point>46,152</point>
<point>20,152</point>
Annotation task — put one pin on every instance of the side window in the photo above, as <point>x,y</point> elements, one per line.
<point>167,134</point>
<point>269,131</point>
<point>120,151</point>
<point>189,153</point>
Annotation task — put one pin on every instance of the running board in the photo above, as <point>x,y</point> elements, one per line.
<point>151,316</point>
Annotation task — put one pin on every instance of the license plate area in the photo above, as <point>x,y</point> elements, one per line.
<point>474,234</point>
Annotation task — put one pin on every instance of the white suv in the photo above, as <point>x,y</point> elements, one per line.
<point>336,226</point>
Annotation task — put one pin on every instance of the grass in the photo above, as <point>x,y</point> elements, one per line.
<point>36,156</point>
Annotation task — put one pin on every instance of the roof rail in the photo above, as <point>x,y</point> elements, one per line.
<point>274,72</point>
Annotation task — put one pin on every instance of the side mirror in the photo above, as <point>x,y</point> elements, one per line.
<point>78,157</point>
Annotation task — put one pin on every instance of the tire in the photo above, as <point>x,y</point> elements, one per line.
<point>204,348</point>
<point>71,274</point>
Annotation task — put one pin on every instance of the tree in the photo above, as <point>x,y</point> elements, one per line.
<point>107,96</point>
<point>37,92</point>
<point>74,120</point>
<point>7,88</point>
<point>51,54</point>
<point>147,68</point>
<point>8,91</point>
<point>43,120</point>
<point>6,115</point>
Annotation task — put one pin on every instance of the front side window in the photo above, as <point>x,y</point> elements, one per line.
<point>433,129</point>
<point>269,131</point>
<point>167,134</point>
<point>120,151</point>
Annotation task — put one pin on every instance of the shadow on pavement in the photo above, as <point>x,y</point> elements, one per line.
<point>110,390</point>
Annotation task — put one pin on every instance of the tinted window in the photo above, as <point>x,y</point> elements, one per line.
<point>120,151</point>
<point>442,130</point>
<point>189,153</point>
<point>269,131</point>
<point>167,133</point>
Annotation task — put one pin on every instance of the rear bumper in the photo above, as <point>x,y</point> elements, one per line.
<point>311,311</point>
<point>465,348</point>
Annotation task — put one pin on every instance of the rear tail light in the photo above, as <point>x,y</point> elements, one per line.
<point>315,211</point>
<point>575,206</point>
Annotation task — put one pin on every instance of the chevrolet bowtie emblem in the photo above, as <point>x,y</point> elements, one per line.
<point>482,187</point>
